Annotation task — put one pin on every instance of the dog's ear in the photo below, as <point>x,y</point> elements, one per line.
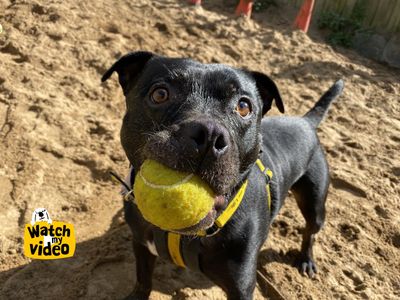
<point>128,68</point>
<point>268,92</point>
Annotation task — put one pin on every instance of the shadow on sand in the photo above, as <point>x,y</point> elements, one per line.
<point>104,268</point>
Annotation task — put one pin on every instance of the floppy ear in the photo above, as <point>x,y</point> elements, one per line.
<point>268,92</point>
<point>128,68</point>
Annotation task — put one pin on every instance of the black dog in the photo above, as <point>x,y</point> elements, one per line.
<point>207,119</point>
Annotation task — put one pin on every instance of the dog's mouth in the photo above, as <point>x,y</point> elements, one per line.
<point>166,147</point>
<point>219,204</point>
<point>219,173</point>
<point>208,221</point>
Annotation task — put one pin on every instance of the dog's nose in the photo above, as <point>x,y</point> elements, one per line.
<point>206,136</point>
<point>40,214</point>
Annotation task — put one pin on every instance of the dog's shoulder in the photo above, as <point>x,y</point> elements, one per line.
<point>288,140</point>
<point>281,126</point>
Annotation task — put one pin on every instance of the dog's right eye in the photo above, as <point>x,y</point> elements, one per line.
<point>243,108</point>
<point>159,95</point>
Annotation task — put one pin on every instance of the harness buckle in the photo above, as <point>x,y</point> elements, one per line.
<point>129,196</point>
<point>214,229</point>
<point>267,176</point>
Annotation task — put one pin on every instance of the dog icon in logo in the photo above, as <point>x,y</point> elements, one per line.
<point>40,214</point>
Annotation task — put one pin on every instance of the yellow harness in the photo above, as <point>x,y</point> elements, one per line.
<point>174,241</point>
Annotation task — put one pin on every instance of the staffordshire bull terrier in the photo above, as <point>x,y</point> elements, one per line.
<point>207,119</point>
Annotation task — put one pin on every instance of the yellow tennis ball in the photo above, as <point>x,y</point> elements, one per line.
<point>171,199</point>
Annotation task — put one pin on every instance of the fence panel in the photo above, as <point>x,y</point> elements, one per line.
<point>382,15</point>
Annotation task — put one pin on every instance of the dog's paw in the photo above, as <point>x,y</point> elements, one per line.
<point>308,268</point>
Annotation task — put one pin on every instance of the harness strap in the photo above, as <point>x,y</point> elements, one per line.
<point>183,252</point>
<point>268,174</point>
<point>227,214</point>
<point>234,204</point>
<point>174,248</point>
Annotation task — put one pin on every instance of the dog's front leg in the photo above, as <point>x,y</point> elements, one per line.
<point>236,276</point>
<point>240,280</point>
<point>243,286</point>
<point>144,271</point>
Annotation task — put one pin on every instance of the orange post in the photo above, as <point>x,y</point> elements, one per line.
<point>195,2</point>
<point>303,19</point>
<point>244,8</point>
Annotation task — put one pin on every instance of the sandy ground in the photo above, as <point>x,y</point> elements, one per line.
<point>59,132</point>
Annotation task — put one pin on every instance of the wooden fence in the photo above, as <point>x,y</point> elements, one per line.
<point>381,15</point>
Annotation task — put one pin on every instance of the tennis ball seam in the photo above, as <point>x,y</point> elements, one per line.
<point>162,186</point>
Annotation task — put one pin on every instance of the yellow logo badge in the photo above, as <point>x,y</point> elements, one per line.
<point>47,239</point>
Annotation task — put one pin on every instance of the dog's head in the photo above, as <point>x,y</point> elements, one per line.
<point>40,214</point>
<point>194,117</point>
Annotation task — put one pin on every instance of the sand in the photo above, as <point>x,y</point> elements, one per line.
<point>59,132</point>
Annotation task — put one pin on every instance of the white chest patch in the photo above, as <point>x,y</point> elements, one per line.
<point>152,247</point>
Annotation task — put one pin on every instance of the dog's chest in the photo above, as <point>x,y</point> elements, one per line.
<point>151,246</point>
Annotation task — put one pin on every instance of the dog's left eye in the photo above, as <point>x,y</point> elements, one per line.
<point>243,108</point>
<point>159,95</point>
